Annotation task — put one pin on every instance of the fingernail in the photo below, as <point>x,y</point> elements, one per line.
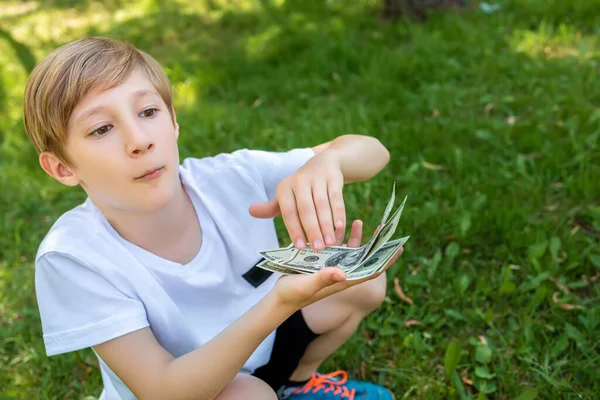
<point>318,244</point>
<point>328,240</point>
<point>338,278</point>
<point>339,223</point>
<point>299,243</point>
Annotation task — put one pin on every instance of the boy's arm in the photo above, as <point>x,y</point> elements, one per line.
<point>360,157</point>
<point>311,198</point>
<point>151,372</point>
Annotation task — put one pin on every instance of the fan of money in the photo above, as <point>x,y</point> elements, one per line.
<point>357,263</point>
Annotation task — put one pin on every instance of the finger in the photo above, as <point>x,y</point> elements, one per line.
<point>308,216</point>
<point>389,264</point>
<point>336,199</point>
<point>268,209</point>
<point>336,287</point>
<point>291,220</point>
<point>321,200</point>
<point>326,282</point>
<point>301,289</point>
<point>355,234</point>
<point>331,275</point>
<point>339,236</point>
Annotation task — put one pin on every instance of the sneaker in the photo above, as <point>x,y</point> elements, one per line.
<point>334,386</point>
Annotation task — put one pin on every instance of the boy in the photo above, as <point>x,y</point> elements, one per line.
<point>156,270</point>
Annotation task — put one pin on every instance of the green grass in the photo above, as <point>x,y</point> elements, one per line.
<point>505,234</point>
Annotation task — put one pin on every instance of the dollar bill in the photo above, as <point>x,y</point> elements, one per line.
<point>386,214</point>
<point>378,260</point>
<point>388,208</point>
<point>375,264</point>
<point>347,258</point>
<point>387,231</point>
<point>270,266</point>
<point>279,255</point>
<point>344,257</point>
<point>402,243</point>
<point>372,264</point>
<point>381,237</point>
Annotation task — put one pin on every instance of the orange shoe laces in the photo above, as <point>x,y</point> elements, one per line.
<point>323,382</point>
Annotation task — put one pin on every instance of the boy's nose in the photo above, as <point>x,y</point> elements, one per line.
<point>139,142</point>
<point>142,149</point>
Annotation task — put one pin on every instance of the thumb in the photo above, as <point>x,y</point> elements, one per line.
<point>269,209</point>
<point>305,289</point>
<point>329,281</point>
<point>327,276</point>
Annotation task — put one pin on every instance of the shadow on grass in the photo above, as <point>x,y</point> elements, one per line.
<point>23,53</point>
<point>80,5</point>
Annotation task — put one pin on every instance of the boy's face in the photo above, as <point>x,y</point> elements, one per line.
<point>123,145</point>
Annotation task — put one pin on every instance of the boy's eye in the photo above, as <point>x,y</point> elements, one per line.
<point>148,113</point>
<point>103,130</point>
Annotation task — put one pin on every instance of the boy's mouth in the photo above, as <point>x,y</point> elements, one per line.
<point>150,174</point>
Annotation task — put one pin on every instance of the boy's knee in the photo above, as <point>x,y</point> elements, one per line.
<point>373,293</point>
<point>247,387</point>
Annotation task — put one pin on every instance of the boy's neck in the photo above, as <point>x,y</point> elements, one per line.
<point>173,232</point>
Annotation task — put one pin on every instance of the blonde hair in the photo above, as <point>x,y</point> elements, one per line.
<point>60,81</point>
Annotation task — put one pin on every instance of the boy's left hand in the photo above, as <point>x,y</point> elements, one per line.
<point>310,200</point>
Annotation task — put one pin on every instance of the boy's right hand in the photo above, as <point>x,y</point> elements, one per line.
<point>299,291</point>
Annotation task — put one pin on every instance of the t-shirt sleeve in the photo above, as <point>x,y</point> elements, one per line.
<point>80,308</point>
<point>273,167</point>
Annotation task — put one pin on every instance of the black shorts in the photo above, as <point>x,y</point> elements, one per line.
<point>291,340</point>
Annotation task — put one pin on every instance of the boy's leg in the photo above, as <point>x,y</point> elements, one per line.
<point>246,387</point>
<point>335,319</point>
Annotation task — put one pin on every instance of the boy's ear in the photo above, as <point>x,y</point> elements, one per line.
<point>175,122</point>
<point>57,169</point>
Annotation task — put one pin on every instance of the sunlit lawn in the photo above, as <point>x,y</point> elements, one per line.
<point>493,122</point>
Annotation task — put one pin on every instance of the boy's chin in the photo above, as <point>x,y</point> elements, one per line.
<point>154,201</point>
<point>155,198</point>
<point>150,202</point>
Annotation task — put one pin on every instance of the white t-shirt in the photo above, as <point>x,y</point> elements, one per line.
<point>92,285</point>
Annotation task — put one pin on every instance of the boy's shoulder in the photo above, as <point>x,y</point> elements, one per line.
<point>206,167</point>
<point>72,231</point>
<point>245,163</point>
